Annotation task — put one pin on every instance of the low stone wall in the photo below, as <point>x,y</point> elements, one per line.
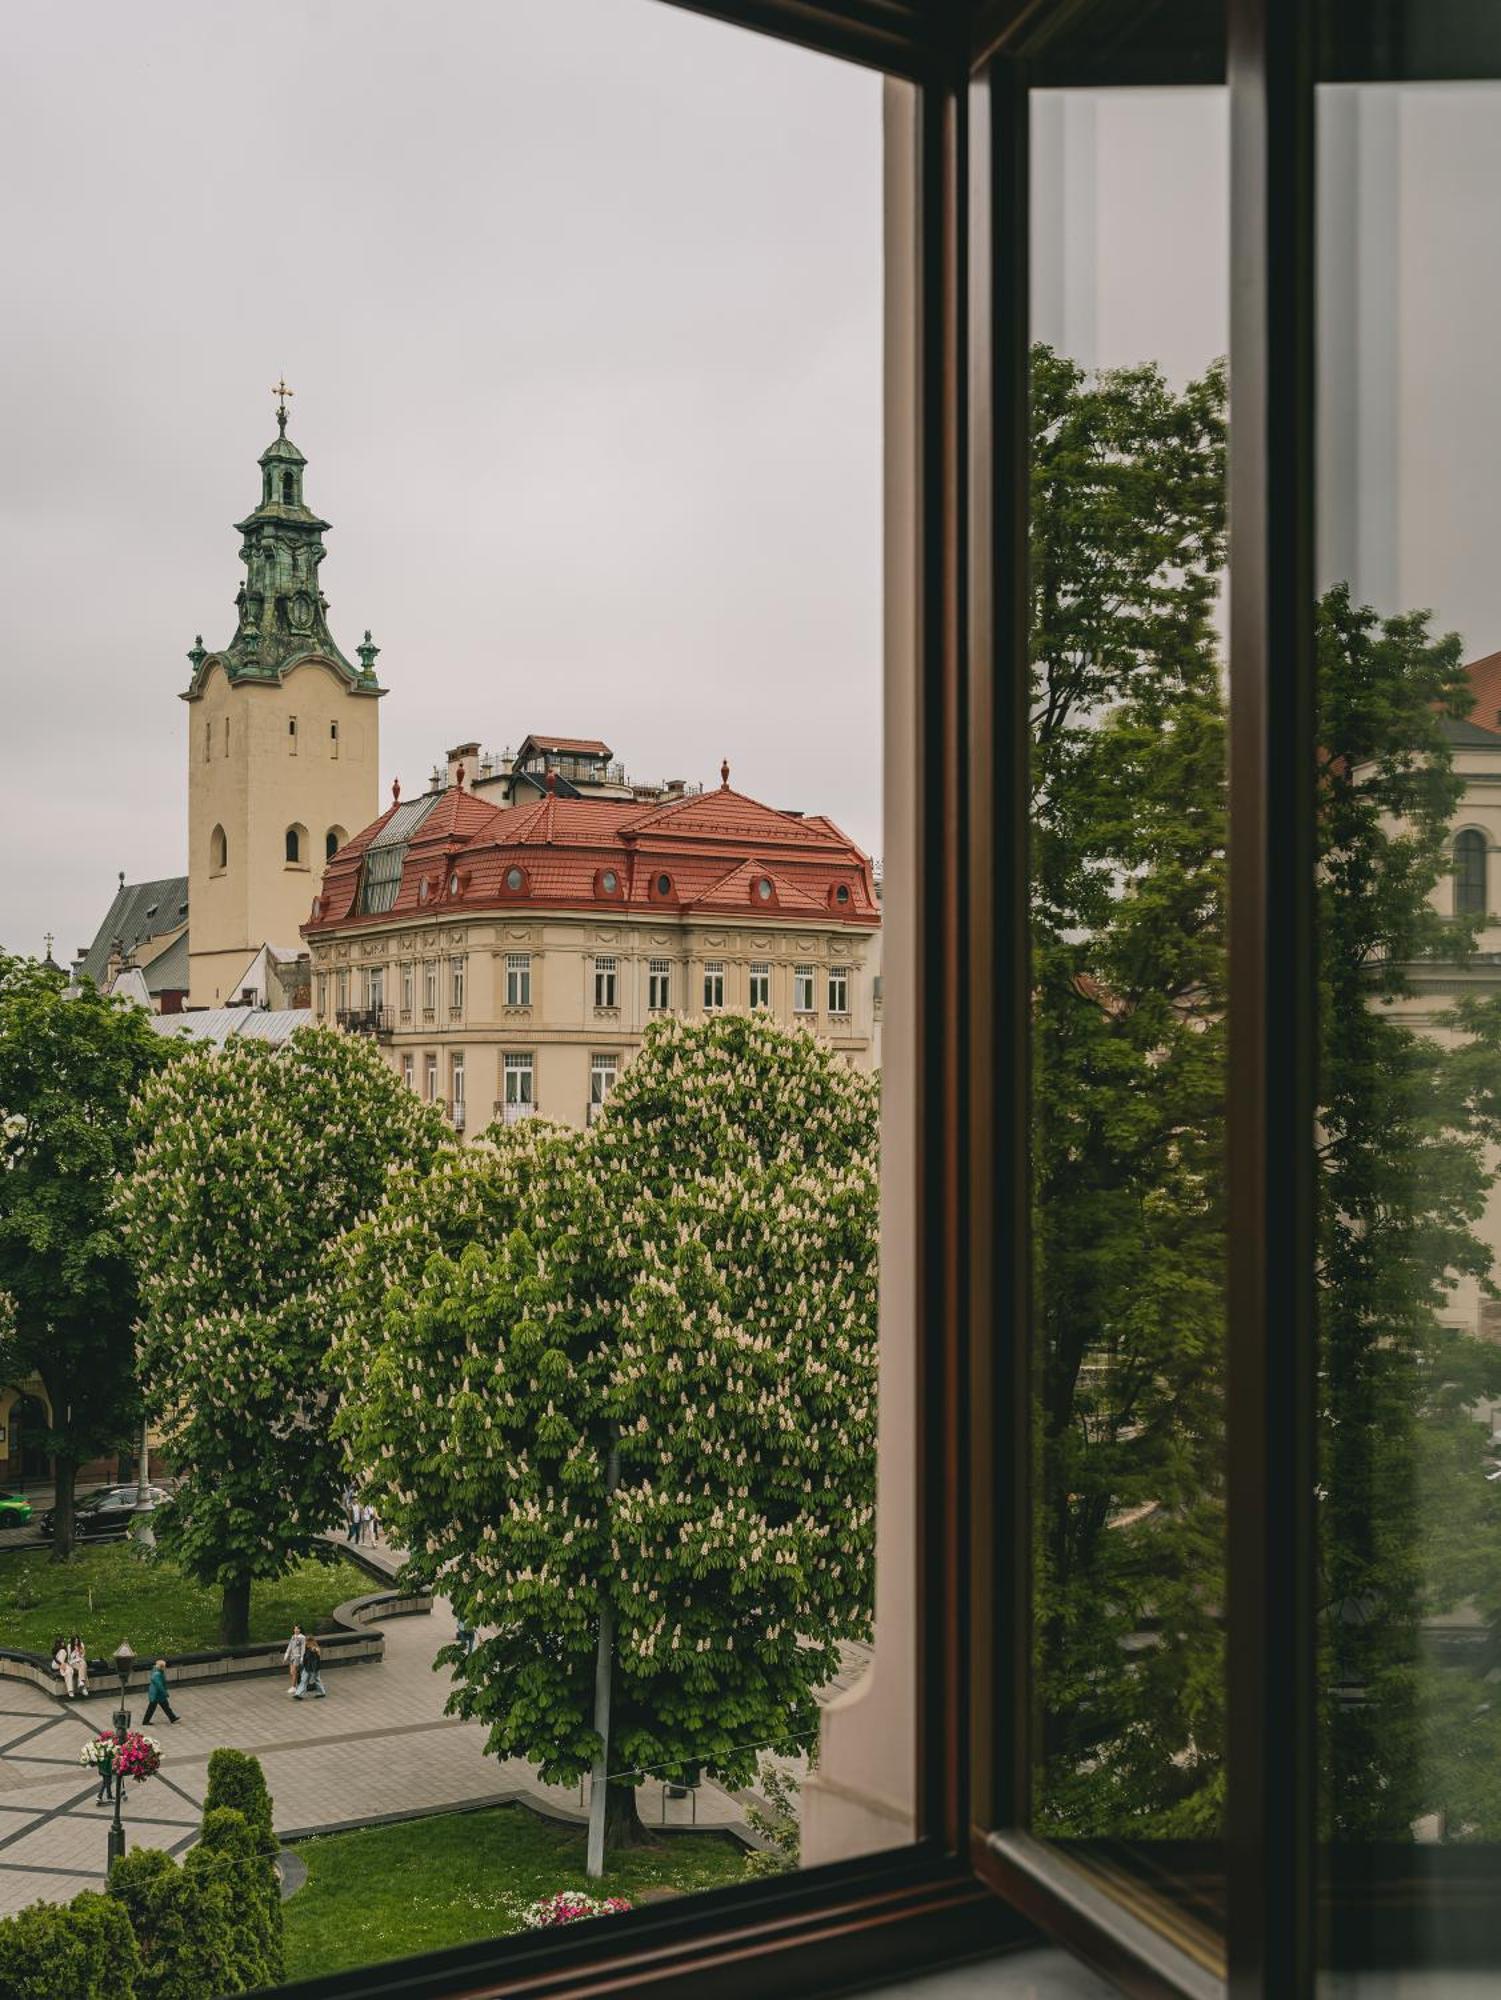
<point>351,1639</point>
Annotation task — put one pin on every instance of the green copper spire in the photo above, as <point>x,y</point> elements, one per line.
<point>282,612</point>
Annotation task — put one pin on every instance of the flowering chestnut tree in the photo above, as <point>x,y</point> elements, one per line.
<point>251,1162</point>
<point>631,1373</point>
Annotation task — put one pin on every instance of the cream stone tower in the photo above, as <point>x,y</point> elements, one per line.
<point>283,742</point>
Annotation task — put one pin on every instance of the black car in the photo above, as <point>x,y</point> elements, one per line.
<point>108,1512</point>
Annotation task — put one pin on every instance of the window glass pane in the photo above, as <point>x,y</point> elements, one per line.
<point>1408,629</point>
<point>1128,804</point>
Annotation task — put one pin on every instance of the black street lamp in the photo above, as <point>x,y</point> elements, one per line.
<point>124,1661</point>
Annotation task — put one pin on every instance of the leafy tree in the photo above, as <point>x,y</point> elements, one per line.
<point>687,1293</point>
<point>183,1926</point>
<point>250,1163</point>
<point>69,1068</point>
<point>1128,943</point>
<point>235,1854</point>
<point>83,1950</point>
<point>237,1780</point>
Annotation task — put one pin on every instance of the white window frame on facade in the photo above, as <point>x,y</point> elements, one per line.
<point>430,1079</point>
<point>518,979</point>
<point>805,989</point>
<point>605,987</point>
<point>839,989</point>
<point>409,1073</point>
<point>713,985</point>
<point>457,970</point>
<point>658,985</point>
<point>429,987</point>
<point>518,1085</point>
<point>341,989</point>
<point>320,1004</point>
<point>603,1072</point>
<point>375,988</point>
<point>456,1089</point>
<point>760,983</point>
<point>407,987</point>
<point>333,739</point>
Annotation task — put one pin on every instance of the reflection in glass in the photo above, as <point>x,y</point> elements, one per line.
<point>1128,784</point>
<point>1409,784</point>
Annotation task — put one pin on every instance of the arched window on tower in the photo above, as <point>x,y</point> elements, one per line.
<point>218,852</point>
<point>288,488</point>
<point>1470,888</point>
<point>333,840</point>
<point>296,846</point>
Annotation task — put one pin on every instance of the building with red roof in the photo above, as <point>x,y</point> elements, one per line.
<point>510,949</point>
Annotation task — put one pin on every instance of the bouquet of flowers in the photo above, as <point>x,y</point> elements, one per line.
<point>132,1755</point>
<point>567,1907</point>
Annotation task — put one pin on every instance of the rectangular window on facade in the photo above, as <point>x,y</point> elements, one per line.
<point>292,735</point>
<point>456,971</point>
<point>333,739</point>
<point>713,985</point>
<point>520,1097</point>
<point>208,739</point>
<point>406,989</point>
<point>760,985</point>
<point>341,990</point>
<point>430,986</point>
<point>226,735</point>
<point>406,1073</point>
<point>603,1071</point>
<point>803,980</point>
<point>839,989</point>
<point>321,1004</point>
<point>518,979</point>
<point>430,1080</point>
<point>375,989</point>
<point>456,1091</point>
<point>604,982</point>
<point>658,984</point>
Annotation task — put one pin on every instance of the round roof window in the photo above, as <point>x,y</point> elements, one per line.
<point>664,885</point>
<point>453,885</point>
<point>609,881</point>
<point>515,879</point>
<point>763,888</point>
<point>422,889</point>
<point>842,894</point>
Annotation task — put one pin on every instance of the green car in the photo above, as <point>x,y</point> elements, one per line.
<point>15,1510</point>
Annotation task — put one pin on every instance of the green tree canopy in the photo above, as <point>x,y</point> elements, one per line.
<point>691,1286</point>
<point>70,1066</point>
<point>250,1164</point>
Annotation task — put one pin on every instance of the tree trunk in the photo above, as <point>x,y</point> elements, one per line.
<point>623,1824</point>
<point>234,1613</point>
<point>65,1472</point>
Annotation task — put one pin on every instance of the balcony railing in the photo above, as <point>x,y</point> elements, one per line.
<point>377,1021</point>
<point>456,1113</point>
<point>512,1114</point>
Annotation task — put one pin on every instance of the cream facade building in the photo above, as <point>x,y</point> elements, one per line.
<point>508,957</point>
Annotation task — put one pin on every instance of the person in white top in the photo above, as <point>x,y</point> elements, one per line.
<point>62,1665</point>
<point>292,1658</point>
<point>78,1660</point>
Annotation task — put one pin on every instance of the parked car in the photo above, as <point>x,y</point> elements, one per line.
<point>15,1510</point>
<point>108,1512</point>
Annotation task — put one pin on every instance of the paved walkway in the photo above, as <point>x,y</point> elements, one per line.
<point>380,1744</point>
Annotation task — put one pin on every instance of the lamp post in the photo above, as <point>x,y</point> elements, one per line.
<point>124,1661</point>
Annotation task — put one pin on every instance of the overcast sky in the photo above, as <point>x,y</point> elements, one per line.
<point>581,303</point>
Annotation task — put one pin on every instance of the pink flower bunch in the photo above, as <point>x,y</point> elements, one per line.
<point>138,1756</point>
<point>568,1906</point>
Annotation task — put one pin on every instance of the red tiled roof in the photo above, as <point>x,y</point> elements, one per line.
<point>713,848</point>
<point>587,746</point>
<point>1485,680</point>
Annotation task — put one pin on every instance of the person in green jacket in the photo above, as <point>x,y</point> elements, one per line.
<point>157,1696</point>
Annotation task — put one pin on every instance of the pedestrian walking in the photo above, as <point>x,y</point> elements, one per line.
<point>292,1657</point>
<point>157,1696</point>
<point>351,1514</point>
<point>106,1772</point>
<point>78,1660</point>
<point>311,1681</point>
<point>62,1665</point>
<point>369,1523</point>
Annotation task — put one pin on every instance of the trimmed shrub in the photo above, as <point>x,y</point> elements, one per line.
<point>83,1950</point>
<point>183,1926</point>
<point>235,1853</point>
<point>235,1779</point>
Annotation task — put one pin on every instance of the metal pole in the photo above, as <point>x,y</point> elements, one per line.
<point>141,1465</point>
<point>594,1860</point>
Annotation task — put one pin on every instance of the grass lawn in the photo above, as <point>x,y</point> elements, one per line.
<point>391,1890</point>
<point>108,1595</point>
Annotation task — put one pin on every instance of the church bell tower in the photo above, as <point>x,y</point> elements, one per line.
<point>283,742</point>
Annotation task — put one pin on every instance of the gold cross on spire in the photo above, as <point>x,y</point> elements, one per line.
<point>281,392</point>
